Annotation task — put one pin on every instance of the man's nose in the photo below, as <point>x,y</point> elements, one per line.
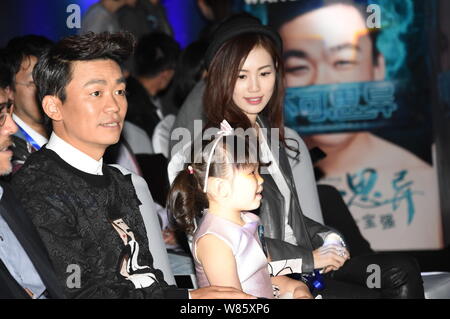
<point>113,104</point>
<point>9,127</point>
<point>324,75</point>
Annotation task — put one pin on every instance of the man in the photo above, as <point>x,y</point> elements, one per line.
<point>143,16</point>
<point>25,270</point>
<point>101,17</point>
<point>87,213</point>
<point>155,59</point>
<point>369,171</point>
<point>338,51</point>
<point>23,54</point>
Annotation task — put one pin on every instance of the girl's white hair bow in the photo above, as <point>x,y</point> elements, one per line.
<point>225,130</point>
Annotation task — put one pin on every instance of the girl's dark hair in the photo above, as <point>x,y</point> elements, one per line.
<point>186,200</point>
<point>222,75</point>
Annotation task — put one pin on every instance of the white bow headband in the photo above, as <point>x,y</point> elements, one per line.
<point>225,130</point>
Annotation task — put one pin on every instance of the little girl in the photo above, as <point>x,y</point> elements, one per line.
<point>221,185</point>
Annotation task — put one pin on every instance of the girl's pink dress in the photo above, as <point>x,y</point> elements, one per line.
<point>246,247</point>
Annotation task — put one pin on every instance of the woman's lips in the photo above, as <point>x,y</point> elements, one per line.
<point>254,100</point>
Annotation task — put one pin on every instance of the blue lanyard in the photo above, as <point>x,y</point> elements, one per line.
<point>29,139</point>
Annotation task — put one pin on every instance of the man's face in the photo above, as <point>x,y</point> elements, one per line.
<point>6,130</point>
<point>93,113</point>
<point>328,45</point>
<point>325,46</point>
<point>24,95</point>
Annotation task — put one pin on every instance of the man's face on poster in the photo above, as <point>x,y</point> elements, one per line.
<point>325,46</point>
<point>329,45</point>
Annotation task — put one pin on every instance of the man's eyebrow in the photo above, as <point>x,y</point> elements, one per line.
<point>295,53</point>
<point>260,68</point>
<point>345,46</point>
<point>103,82</point>
<point>94,81</point>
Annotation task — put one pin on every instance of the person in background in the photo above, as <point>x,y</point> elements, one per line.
<point>188,72</point>
<point>22,54</point>
<point>156,16</point>
<point>133,18</point>
<point>25,270</point>
<point>155,59</point>
<point>101,17</point>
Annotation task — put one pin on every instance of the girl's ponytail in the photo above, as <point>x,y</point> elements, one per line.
<point>186,199</point>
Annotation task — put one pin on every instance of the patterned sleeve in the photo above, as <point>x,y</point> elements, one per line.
<point>85,262</point>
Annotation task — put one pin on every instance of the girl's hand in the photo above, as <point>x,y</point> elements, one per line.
<point>302,292</point>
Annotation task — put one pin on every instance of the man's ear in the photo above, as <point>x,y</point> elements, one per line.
<point>166,76</point>
<point>380,68</point>
<point>52,107</point>
<point>9,93</point>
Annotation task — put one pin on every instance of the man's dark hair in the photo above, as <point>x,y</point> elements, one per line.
<point>155,52</point>
<point>19,48</point>
<point>5,70</point>
<point>283,12</point>
<point>53,71</point>
<point>221,9</point>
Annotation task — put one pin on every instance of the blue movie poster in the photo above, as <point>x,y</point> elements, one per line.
<point>357,89</point>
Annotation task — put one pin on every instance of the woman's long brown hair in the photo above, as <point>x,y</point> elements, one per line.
<point>222,75</point>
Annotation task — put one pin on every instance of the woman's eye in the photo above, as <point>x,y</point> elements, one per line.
<point>242,76</point>
<point>266,73</point>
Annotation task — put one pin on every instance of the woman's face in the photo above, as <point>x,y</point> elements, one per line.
<point>255,83</point>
